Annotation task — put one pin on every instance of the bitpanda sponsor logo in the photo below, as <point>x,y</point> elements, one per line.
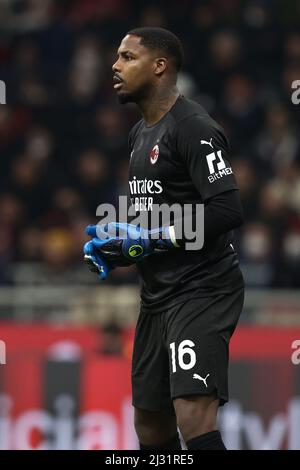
<point>220,174</point>
<point>216,165</point>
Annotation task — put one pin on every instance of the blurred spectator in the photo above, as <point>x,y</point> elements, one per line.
<point>12,211</point>
<point>83,11</point>
<point>288,266</point>
<point>31,15</point>
<point>12,214</point>
<point>248,183</point>
<point>59,260</point>
<point>187,85</point>
<point>67,206</point>
<point>57,249</point>
<point>93,178</point>
<point>278,143</point>
<point>67,200</point>
<point>225,48</point>
<point>27,57</point>
<point>86,69</point>
<point>204,17</point>
<point>111,340</point>
<point>13,124</point>
<point>33,92</point>
<point>110,129</point>
<point>153,15</point>
<point>257,259</point>
<point>39,144</point>
<point>241,105</point>
<point>292,48</point>
<point>30,244</point>
<point>273,208</point>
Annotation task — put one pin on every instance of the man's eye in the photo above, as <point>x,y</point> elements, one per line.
<point>128,57</point>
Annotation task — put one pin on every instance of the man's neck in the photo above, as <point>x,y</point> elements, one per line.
<point>157,104</point>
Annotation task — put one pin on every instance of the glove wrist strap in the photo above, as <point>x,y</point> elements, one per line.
<point>164,238</point>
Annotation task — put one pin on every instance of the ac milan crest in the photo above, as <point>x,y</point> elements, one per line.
<point>154,154</point>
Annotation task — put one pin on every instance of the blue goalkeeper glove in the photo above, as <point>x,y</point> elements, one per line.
<point>121,242</point>
<point>94,262</point>
<point>103,254</point>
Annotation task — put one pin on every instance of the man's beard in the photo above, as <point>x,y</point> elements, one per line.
<point>133,97</point>
<point>125,97</point>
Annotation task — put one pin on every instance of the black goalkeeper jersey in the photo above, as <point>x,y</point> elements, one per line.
<point>182,159</point>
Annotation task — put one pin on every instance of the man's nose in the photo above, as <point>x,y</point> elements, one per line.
<point>116,67</point>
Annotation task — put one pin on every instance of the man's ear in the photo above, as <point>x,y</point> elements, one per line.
<point>160,65</point>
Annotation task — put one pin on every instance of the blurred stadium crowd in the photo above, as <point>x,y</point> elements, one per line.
<point>63,136</point>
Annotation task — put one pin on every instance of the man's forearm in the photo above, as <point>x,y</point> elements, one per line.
<point>222,214</point>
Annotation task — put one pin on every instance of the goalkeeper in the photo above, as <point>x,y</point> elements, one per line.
<point>191,300</point>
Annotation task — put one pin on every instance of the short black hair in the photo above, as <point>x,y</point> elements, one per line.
<point>163,40</point>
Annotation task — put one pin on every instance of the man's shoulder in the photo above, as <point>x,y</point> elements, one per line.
<point>193,124</point>
<point>188,113</point>
<point>186,108</point>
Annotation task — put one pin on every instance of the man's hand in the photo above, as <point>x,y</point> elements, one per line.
<point>124,244</point>
<point>94,262</point>
<point>103,253</point>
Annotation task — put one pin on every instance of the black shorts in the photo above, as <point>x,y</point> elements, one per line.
<point>184,351</point>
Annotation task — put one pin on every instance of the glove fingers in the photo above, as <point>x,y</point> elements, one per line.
<point>97,243</point>
<point>92,263</point>
<point>113,230</point>
<point>96,265</point>
<point>88,248</point>
<point>90,230</point>
<point>116,230</point>
<point>103,272</point>
<point>111,249</point>
<point>123,230</point>
<point>96,248</point>
<point>99,231</point>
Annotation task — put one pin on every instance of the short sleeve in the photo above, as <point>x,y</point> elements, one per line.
<point>204,149</point>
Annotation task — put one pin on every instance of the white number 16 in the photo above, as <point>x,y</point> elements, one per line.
<point>184,349</point>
